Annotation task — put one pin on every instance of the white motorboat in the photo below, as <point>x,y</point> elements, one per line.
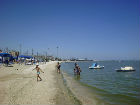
<point>95,66</point>
<point>125,69</point>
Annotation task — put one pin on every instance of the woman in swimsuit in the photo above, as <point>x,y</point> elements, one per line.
<point>38,72</point>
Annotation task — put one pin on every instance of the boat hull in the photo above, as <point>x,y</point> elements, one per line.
<point>125,70</point>
<point>96,67</point>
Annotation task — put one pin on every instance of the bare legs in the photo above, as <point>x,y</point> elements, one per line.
<point>39,77</point>
<point>58,70</point>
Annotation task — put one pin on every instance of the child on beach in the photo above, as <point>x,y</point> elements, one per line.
<point>38,72</point>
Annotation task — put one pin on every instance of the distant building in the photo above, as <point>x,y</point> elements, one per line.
<point>50,58</point>
<point>80,59</point>
<point>14,53</point>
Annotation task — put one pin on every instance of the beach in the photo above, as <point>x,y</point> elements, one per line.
<point>18,85</point>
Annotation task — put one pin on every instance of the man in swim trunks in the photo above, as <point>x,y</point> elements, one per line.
<point>58,67</point>
<point>38,72</point>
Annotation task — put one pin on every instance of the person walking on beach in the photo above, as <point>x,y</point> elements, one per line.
<point>38,72</point>
<point>58,67</point>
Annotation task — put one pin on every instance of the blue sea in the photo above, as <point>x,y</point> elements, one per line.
<point>115,88</point>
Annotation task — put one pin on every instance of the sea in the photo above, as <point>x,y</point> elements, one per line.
<point>107,85</point>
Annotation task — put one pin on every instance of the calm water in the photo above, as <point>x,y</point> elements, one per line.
<point>122,88</point>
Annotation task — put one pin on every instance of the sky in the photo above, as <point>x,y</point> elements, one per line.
<point>93,29</point>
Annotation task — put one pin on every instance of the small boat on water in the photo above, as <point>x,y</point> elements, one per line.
<point>125,69</point>
<point>96,66</point>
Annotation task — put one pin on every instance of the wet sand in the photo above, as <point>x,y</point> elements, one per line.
<point>18,85</point>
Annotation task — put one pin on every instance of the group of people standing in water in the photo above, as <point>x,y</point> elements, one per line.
<point>77,69</point>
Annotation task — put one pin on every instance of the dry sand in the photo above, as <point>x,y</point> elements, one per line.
<point>18,85</point>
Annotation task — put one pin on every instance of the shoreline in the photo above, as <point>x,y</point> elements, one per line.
<point>18,85</point>
<point>64,95</point>
<point>83,94</point>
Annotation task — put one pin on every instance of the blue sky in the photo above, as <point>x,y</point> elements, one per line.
<point>94,29</point>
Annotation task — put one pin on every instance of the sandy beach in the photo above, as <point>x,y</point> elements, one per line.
<point>18,85</point>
